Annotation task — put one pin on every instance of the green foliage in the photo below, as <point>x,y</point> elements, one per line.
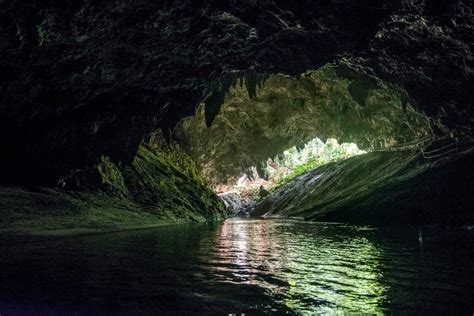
<point>300,169</point>
<point>294,162</point>
<point>112,178</point>
<point>175,156</point>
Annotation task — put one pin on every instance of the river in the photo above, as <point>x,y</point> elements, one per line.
<point>241,266</point>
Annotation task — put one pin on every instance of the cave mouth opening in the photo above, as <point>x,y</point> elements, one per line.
<point>276,171</point>
<point>262,117</point>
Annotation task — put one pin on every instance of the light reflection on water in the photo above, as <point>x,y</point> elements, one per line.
<point>309,272</point>
<point>241,266</point>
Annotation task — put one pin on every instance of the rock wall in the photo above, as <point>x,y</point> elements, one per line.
<point>84,79</point>
<point>285,111</point>
<point>158,188</point>
<point>380,188</point>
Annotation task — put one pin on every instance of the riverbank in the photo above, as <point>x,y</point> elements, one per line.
<point>48,212</point>
<point>161,187</point>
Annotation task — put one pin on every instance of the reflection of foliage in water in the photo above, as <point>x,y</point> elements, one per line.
<point>342,276</point>
<point>307,273</point>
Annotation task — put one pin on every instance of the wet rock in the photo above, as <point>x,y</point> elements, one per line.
<point>232,201</point>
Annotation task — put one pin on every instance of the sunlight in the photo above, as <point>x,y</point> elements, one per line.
<point>315,153</point>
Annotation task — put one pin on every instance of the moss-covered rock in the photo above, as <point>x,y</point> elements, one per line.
<point>162,186</point>
<point>112,180</point>
<point>155,181</point>
<point>380,188</point>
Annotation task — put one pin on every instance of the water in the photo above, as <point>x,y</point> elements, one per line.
<point>241,266</point>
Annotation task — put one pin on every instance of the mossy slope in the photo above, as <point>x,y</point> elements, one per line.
<point>157,189</point>
<point>382,188</point>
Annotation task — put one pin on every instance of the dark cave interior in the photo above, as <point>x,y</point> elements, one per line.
<point>285,157</point>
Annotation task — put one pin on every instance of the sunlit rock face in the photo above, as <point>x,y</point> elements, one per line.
<point>286,111</point>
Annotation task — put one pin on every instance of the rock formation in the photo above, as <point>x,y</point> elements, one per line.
<point>289,111</point>
<point>83,79</point>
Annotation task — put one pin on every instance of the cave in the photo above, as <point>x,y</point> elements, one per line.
<point>279,112</point>
<point>236,157</point>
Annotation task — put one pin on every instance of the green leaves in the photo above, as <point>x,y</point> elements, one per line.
<point>315,153</point>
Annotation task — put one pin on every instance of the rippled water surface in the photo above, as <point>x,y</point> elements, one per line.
<point>241,266</point>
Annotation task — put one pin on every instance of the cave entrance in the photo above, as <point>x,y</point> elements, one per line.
<point>278,170</point>
<point>274,172</point>
<point>262,117</point>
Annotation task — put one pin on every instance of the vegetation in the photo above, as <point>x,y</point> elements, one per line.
<point>381,188</point>
<point>156,181</point>
<point>294,162</point>
<point>162,186</point>
<point>290,164</point>
<point>177,158</point>
<point>111,177</point>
